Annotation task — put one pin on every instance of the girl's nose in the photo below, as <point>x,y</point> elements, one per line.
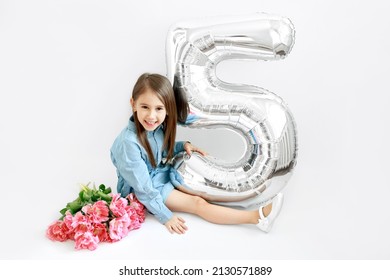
<point>151,114</point>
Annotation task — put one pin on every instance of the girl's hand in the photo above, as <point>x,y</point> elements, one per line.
<point>189,148</point>
<point>176,224</point>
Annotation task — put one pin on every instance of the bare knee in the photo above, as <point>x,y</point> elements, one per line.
<point>199,203</point>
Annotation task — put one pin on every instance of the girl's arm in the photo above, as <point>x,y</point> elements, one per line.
<point>133,169</point>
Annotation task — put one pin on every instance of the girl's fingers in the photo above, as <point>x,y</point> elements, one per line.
<point>183,226</point>
<point>182,223</point>
<point>180,229</point>
<point>203,153</point>
<point>180,226</point>
<point>191,148</point>
<point>170,229</point>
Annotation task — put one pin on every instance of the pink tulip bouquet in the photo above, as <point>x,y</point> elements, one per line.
<point>96,216</point>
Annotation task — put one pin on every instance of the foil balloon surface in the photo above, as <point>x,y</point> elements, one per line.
<point>193,50</point>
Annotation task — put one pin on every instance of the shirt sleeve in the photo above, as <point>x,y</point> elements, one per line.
<point>179,147</point>
<point>134,170</point>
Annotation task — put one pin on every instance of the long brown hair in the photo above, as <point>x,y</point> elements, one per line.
<point>162,87</point>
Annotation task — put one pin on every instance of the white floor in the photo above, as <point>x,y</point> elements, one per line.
<point>320,220</point>
<point>59,118</point>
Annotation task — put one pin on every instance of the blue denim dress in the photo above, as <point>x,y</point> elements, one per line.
<point>136,174</point>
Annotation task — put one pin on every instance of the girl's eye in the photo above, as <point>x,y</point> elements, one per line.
<point>144,107</point>
<point>159,109</point>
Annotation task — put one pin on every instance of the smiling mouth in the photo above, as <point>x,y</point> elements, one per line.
<point>150,123</point>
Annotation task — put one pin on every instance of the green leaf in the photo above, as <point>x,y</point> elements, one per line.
<point>105,197</point>
<point>75,206</point>
<point>95,197</point>
<point>81,195</point>
<point>63,211</point>
<point>102,187</point>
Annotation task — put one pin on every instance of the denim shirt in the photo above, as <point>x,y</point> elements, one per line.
<point>135,172</point>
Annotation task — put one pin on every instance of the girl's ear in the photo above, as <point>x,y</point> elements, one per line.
<point>132,103</point>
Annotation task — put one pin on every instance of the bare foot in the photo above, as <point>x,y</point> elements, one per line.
<point>267,209</point>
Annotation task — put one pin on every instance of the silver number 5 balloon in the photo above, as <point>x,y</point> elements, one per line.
<point>262,118</point>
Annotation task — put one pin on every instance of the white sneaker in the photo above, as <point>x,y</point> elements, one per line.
<point>265,223</point>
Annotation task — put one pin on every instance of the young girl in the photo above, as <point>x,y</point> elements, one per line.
<point>141,154</point>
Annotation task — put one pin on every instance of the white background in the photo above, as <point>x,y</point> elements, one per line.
<point>66,73</point>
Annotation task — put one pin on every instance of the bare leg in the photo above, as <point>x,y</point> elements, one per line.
<point>182,202</point>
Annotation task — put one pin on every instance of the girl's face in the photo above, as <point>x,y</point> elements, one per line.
<point>150,110</point>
